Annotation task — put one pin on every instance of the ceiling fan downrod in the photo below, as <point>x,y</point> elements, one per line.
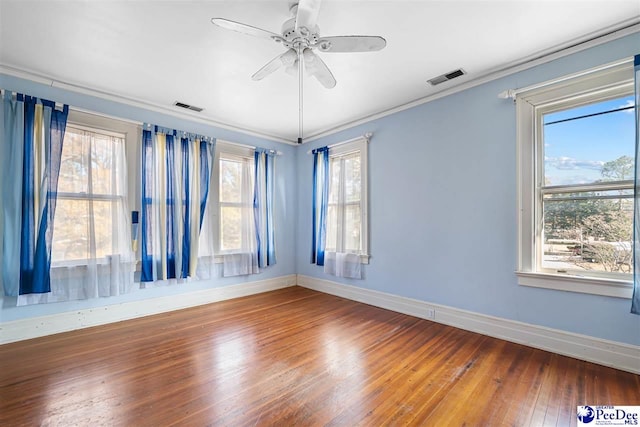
<point>300,92</point>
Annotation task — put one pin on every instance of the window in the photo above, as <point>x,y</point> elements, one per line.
<point>91,205</point>
<point>233,194</point>
<point>576,141</point>
<point>347,207</point>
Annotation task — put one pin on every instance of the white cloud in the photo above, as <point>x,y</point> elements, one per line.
<point>629,103</point>
<point>568,163</point>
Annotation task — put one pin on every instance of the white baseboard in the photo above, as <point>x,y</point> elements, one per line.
<point>617,355</point>
<point>34,327</point>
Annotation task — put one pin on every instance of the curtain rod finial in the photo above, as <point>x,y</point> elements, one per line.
<point>506,94</point>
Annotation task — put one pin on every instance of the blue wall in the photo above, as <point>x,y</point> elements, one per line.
<point>442,197</point>
<point>284,204</point>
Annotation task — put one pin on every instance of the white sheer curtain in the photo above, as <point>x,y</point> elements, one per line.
<point>342,264</point>
<point>91,248</point>
<point>244,261</point>
<point>207,267</point>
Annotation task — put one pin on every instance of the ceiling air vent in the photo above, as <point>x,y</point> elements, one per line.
<point>187,106</point>
<point>446,77</point>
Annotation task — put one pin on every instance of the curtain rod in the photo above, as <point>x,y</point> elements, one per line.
<point>252,147</point>
<point>57,105</point>
<point>367,137</point>
<point>512,93</point>
<point>177,132</point>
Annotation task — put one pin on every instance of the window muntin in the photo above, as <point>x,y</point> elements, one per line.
<point>89,194</point>
<point>571,96</point>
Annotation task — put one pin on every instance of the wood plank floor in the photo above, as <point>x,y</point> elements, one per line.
<point>294,357</point>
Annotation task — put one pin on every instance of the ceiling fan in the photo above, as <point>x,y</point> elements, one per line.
<point>300,36</point>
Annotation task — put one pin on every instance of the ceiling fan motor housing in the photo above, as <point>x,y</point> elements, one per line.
<point>303,37</point>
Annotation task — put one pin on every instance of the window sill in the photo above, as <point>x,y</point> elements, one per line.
<point>364,258</point>
<point>219,259</point>
<point>574,283</point>
<point>75,263</point>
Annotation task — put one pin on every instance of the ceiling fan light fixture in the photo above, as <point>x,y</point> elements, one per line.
<point>324,46</point>
<point>292,69</point>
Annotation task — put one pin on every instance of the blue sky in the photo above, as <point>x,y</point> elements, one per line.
<point>576,150</point>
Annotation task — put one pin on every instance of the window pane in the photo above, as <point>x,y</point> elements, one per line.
<point>352,228</point>
<point>344,218</point>
<point>230,181</point>
<point>588,234</point>
<point>102,164</point>
<point>74,166</point>
<point>87,152</point>
<point>103,214</point>
<point>235,203</point>
<point>332,228</point>
<point>84,154</point>
<point>334,180</point>
<point>581,148</point>
<point>72,235</point>
<point>231,228</point>
<point>352,178</point>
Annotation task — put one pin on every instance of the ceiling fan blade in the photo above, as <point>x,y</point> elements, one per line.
<point>317,68</point>
<point>351,44</point>
<point>244,29</point>
<point>287,58</point>
<point>307,15</point>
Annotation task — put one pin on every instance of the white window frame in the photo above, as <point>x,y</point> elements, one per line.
<point>342,150</point>
<point>131,131</point>
<point>598,84</point>
<point>228,150</point>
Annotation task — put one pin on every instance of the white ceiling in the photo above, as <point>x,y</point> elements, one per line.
<point>159,52</point>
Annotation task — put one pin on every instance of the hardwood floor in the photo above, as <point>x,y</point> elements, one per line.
<point>294,357</point>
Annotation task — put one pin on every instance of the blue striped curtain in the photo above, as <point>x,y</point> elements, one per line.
<point>176,171</point>
<point>635,302</point>
<point>33,132</point>
<point>320,202</point>
<point>263,206</point>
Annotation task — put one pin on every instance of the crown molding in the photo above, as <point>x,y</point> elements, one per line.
<point>33,76</point>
